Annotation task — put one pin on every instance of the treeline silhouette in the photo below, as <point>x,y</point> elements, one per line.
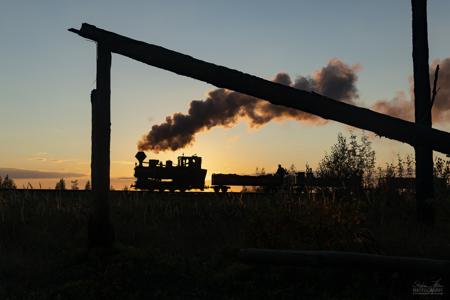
<point>7,183</point>
<point>350,158</point>
<point>353,157</point>
<point>74,185</point>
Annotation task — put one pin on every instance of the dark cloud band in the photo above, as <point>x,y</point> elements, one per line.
<point>29,174</point>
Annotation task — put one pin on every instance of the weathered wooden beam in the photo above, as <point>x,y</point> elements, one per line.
<point>278,94</point>
<point>352,260</point>
<point>422,103</point>
<point>100,230</point>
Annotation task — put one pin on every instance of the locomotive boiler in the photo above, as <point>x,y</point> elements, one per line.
<point>154,175</point>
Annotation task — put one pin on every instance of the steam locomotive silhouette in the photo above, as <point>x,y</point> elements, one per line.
<point>188,174</point>
<point>153,175</point>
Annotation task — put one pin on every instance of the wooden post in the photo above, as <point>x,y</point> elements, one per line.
<point>101,233</point>
<point>422,102</point>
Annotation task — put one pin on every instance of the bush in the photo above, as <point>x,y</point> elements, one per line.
<point>349,159</point>
<point>60,185</point>
<point>7,183</point>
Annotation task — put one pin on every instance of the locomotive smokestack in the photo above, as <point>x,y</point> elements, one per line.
<point>140,156</point>
<point>224,107</point>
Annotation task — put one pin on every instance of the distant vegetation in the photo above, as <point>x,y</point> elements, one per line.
<point>349,158</point>
<point>7,183</point>
<point>60,185</point>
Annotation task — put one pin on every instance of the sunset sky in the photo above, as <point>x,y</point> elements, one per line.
<point>47,73</point>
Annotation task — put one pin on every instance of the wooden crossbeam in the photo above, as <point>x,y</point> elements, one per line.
<point>327,108</point>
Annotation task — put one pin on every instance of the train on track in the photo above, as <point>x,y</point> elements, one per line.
<point>156,176</point>
<point>188,174</point>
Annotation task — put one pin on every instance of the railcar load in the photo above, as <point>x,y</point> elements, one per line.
<point>222,182</point>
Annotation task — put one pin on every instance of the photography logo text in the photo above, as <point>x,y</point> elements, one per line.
<point>421,288</point>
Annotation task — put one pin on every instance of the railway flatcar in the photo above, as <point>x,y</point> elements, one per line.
<point>222,182</point>
<point>156,176</point>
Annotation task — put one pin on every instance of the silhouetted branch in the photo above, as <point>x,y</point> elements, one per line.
<point>433,97</point>
<point>278,94</point>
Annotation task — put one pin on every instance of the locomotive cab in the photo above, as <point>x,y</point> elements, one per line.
<point>190,162</point>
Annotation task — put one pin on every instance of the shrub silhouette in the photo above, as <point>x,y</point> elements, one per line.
<point>349,158</point>
<point>60,185</point>
<point>87,186</point>
<point>7,183</point>
<point>74,184</point>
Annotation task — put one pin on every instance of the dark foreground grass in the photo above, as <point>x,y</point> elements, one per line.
<point>185,246</point>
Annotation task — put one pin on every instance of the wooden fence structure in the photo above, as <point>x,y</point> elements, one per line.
<point>419,135</point>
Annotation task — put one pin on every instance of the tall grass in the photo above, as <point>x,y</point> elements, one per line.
<point>198,235</point>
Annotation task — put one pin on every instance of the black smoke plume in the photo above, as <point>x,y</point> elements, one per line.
<point>402,106</point>
<point>224,107</point>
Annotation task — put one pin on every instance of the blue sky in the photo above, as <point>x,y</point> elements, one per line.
<point>47,73</point>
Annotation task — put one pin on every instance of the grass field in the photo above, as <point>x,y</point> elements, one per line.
<point>184,246</point>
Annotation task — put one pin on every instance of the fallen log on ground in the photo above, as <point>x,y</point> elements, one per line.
<point>351,260</point>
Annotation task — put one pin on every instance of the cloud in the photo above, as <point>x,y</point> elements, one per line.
<point>399,106</point>
<point>21,173</point>
<point>41,154</point>
<point>402,106</point>
<point>37,158</point>
<point>60,161</point>
<point>43,157</point>
<point>441,107</point>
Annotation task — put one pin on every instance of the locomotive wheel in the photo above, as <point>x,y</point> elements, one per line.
<point>182,190</point>
<point>224,189</point>
<point>216,189</point>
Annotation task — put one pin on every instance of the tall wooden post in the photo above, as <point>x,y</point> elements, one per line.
<point>101,233</point>
<point>422,93</point>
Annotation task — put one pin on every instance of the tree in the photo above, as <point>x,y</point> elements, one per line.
<point>8,183</point>
<point>61,185</point>
<point>292,170</point>
<point>349,159</point>
<point>87,186</point>
<point>74,184</point>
